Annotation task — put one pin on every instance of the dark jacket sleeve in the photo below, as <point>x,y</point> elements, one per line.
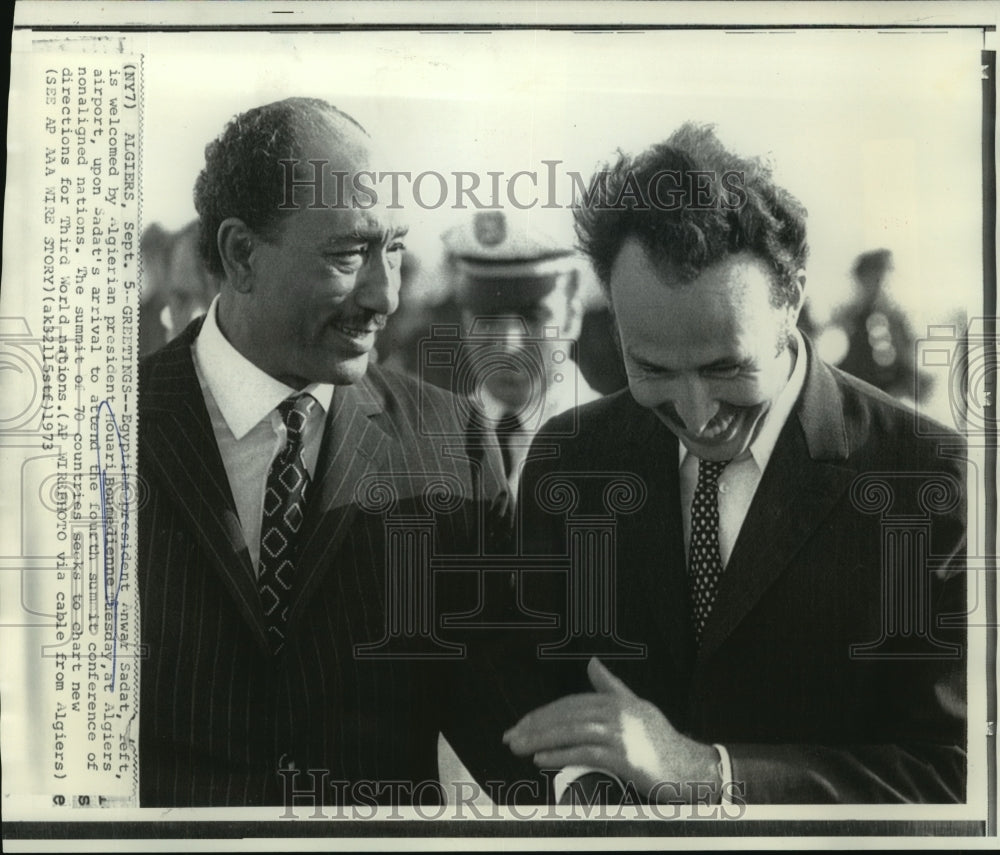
<point>916,748</point>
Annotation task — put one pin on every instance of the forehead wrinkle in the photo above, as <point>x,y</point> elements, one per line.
<point>734,355</point>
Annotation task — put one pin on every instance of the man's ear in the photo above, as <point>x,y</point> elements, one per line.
<point>574,308</point>
<point>236,244</point>
<point>795,308</point>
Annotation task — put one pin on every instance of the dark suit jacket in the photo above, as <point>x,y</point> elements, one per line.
<point>219,714</point>
<point>833,663</point>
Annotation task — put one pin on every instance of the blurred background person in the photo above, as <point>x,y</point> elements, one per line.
<point>420,308</point>
<point>517,293</point>
<point>429,298</point>
<point>870,335</point>
<point>505,339</point>
<point>177,286</point>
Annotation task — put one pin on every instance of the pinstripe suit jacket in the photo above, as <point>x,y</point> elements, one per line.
<point>219,715</point>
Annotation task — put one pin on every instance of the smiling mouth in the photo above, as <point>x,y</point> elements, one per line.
<point>718,427</point>
<point>720,430</point>
<point>355,332</point>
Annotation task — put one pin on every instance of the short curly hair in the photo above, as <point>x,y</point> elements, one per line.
<point>242,177</point>
<point>716,204</point>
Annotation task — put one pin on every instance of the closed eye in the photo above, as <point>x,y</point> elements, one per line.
<point>348,259</point>
<point>726,370</point>
<point>652,368</point>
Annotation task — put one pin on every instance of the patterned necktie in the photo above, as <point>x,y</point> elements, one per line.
<point>284,507</point>
<point>704,559</point>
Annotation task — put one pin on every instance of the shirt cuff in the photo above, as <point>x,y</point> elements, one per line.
<point>726,774</point>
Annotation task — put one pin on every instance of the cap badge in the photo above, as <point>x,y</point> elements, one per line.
<point>490,227</point>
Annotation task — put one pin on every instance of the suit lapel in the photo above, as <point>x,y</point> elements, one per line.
<point>355,442</point>
<point>181,450</point>
<point>651,539</point>
<point>805,477</point>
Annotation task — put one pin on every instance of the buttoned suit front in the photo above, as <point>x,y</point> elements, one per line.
<point>832,665</point>
<point>221,715</point>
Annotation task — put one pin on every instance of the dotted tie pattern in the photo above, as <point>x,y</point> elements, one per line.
<point>704,560</point>
<point>284,509</point>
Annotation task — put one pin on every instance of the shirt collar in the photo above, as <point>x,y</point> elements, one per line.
<point>767,437</point>
<point>244,394</point>
<point>763,444</point>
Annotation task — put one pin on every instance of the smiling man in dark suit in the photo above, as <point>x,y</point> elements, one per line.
<point>792,580</point>
<point>275,458</point>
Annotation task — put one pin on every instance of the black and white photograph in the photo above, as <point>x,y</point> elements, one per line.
<point>472,424</point>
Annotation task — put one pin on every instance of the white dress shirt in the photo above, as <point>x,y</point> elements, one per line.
<point>740,479</point>
<point>558,399</point>
<point>242,403</point>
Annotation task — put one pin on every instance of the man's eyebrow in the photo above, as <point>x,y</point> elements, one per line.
<point>397,231</point>
<point>370,234</point>
<point>721,362</point>
<point>639,359</point>
<point>375,232</point>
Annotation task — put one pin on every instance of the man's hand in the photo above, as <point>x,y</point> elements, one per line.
<point>613,730</point>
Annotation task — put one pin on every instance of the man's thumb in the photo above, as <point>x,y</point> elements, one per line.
<point>604,681</point>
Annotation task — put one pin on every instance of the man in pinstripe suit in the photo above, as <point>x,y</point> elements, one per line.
<point>250,690</point>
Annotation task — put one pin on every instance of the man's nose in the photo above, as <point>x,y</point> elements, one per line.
<point>378,285</point>
<point>695,405</point>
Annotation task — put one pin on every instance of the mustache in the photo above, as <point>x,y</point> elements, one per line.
<point>725,412</point>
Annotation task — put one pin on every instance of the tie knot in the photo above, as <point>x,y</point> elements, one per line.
<point>510,422</point>
<point>710,470</point>
<point>294,411</point>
